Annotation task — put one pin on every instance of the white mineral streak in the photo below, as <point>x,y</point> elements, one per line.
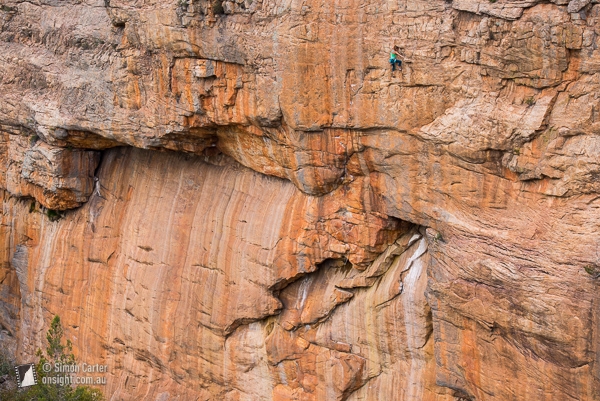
<point>413,299</point>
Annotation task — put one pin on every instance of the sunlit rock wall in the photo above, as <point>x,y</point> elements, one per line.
<point>305,224</point>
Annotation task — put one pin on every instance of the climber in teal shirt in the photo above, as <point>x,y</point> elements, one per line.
<point>394,58</point>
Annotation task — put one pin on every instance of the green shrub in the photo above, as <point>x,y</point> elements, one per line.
<point>54,215</point>
<point>6,365</point>
<point>592,270</point>
<point>56,352</point>
<point>8,9</point>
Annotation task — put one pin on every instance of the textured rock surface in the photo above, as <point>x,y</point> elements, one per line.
<point>185,256</point>
<point>60,178</point>
<point>423,235</point>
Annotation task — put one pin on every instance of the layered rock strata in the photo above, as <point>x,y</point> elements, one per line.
<point>320,228</point>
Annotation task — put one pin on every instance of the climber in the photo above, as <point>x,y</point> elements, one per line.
<point>395,58</point>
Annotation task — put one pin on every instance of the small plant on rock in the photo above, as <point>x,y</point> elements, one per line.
<point>8,9</point>
<point>54,215</point>
<point>592,270</point>
<point>6,364</point>
<point>434,235</point>
<point>57,352</point>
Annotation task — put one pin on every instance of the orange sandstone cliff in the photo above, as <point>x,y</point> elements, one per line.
<point>238,200</point>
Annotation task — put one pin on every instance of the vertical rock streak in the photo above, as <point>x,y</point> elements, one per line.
<point>413,297</point>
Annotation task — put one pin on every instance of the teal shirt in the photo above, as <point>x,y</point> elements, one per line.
<point>392,56</point>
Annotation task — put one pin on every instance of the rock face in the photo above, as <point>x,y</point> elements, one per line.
<point>60,178</point>
<point>301,223</point>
